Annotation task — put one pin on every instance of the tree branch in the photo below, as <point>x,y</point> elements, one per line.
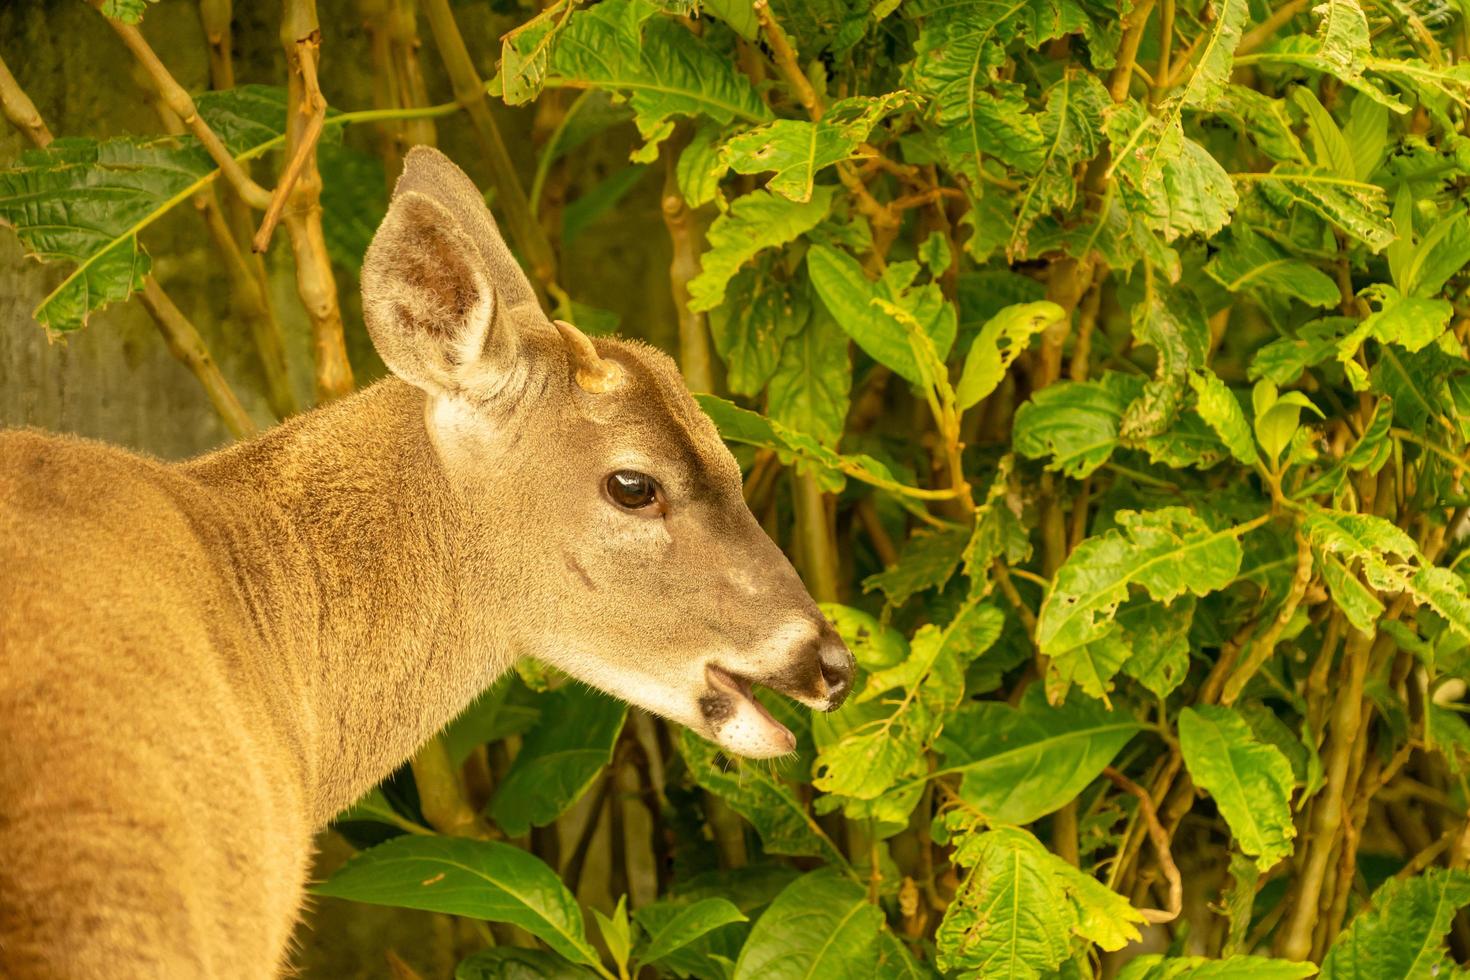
<point>315,282</point>
<point>694,341</point>
<point>182,105</point>
<point>1160,839</point>
<point>469,91</point>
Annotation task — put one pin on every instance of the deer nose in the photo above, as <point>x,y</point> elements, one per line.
<point>837,665</point>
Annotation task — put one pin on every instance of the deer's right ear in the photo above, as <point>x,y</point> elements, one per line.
<point>427,298</point>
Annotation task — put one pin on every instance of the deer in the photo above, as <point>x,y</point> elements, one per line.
<point>202,662</point>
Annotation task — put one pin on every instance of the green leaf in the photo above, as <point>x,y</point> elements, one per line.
<point>1253,262</point>
<point>1090,666</point>
<point>755,221</point>
<point>1206,86</point>
<point>1330,149</point>
<point>689,924</point>
<point>1171,320</point>
<point>857,305</point>
<point>1157,637</point>
<point>808,389</point>
<point>758,795</point>
<point>927,562</point>
<point>1019,906</point>
<point>127,11</point>
<point>1003,337</point>
<point>1021,763</point>
<point>560,758</point>
<point>489,718</point>
<point>1071,133</point>
<point>1402,933</point>
<point>958,52</point>
<point>1389,561</point>
<point>1250,780</point>
<point>1073,422</point>
<point>796,149</point>
<point>1283,361</point>
<point>1218,406</point>
<point>1167,181</point>
<point>1157,967</point>
<point>821,925</point>
<point>1357,209</point>
<point>1410,322</point>
<point>459,876</point>
<point>749,329</point>
<point>1166,552</point>
<point>620,45</point>
<point>84,203</point>
<point>513,963</point>
<point>616,931</point>
<point>873,644</point>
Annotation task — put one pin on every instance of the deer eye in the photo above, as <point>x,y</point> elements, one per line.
<point>632,490</point>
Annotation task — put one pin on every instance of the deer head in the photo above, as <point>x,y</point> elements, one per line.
<point>603,527</point>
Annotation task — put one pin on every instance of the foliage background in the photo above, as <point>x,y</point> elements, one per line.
<point>1101,367</point>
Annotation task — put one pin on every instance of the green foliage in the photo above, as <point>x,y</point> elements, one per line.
<point>1131,369</point>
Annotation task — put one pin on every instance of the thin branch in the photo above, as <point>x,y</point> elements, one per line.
<point>1265,645</point>
<point>20,110</point>
<point>316,107</point>
<point>695,359</point>
<point>179,333</point>
<point>185,343</point>
<point>441,798</point>
<point>178,100</point>
<point>469,91</point>
<point>1267,28</point>
<point>1160,839</point>
<point>786,62</point>
<point>315,282</point>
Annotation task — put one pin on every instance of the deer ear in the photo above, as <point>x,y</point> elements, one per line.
<point>427,298</point>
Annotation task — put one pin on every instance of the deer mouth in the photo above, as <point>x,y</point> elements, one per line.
<point>738,721</point>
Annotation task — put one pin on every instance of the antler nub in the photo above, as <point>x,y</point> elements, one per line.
<point>595,374</point>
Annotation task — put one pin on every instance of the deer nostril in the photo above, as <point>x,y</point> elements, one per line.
<point>837,670</point>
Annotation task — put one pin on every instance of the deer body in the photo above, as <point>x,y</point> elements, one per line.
<point>202,663</point>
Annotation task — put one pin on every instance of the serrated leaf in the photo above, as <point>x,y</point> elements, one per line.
<point>1019,764</point>
<point>1165,552</point>
<point>622,46</point>
<point>760,796</point>
<point>796,150</point>
<point>1390,562</point>
<point>1171,320</point>
<point>85,202</point>
<point>1003,337</point>
<point>1090,666</point>
<point>1157,636</point>
<point>474,878</point>
<point>957,54</point>
<point>1071,133</point>
<point>1357,209</point>
<point>756,221</point>
<point>1211,73</point>
<point>1075,423</point>
<point>864,308</point>
<point>1410,322</point>
<point>1250,780</point>
<point>560,758</point>
<point>1219,407</point>
<point>927,562</point>
<point>808,389</point>
<point>1401,934</point>
<point>1019,907</point>
<point>751,327</point>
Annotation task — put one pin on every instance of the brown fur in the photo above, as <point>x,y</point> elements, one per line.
<point>201,663</point>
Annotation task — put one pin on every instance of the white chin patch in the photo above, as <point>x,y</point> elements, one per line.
<point>751,732</point>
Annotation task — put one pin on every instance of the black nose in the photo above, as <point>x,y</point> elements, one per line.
<point>837,666</point>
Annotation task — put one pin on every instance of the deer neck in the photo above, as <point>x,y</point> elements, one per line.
<point>356,580</point>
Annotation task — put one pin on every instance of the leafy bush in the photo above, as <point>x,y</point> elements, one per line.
<point>1104,371</point>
